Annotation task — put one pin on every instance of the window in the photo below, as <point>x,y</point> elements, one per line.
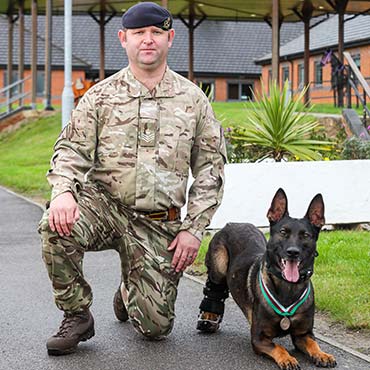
<point>246,93</point>
<point>208,88</point>
<point>233,91</point>
<point>318,73</point>
<point>269,76</point>
<point>40,83</point>
<point>300,76</point>
<point>14,90</point>
<point>285,74</point>
<point>357,59</point>
<point>240,91</point>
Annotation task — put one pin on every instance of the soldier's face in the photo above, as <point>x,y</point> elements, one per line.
<point>147,47</point>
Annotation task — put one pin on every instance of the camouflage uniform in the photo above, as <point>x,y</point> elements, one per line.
<point>127,151</point>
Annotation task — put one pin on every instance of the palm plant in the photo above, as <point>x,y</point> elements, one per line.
<point>279,128</point>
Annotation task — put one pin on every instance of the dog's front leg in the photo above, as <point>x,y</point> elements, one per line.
<point>263,344</point>
<point>307,344</point>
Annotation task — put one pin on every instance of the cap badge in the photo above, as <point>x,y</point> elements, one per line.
<point>166,23</point>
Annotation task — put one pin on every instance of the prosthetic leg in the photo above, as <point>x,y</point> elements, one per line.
<point>212,307</point>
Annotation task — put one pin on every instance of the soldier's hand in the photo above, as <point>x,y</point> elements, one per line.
<point>186,247</point>
<point>63,214</point>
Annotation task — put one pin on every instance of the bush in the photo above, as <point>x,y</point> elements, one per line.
<point>356,148</point>
<point>277,128</point>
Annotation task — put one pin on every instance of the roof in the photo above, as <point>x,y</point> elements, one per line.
<point>325,35</point>
<point>57,50</point>
<point>226,48</point>
<point>215,10</point>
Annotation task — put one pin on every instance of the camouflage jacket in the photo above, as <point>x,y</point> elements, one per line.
<point>140,146</point>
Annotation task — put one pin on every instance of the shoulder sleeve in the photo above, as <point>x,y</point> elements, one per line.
<point>74,150</point>
<point>207,164</point>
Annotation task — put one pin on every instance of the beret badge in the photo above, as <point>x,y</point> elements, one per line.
<point>167,24</point>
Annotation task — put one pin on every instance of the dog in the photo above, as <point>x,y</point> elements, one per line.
<point>270,281</point>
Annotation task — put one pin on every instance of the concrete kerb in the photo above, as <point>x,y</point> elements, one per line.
<point>201,282</point>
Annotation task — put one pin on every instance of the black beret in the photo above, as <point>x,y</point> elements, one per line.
<point>147,14</point>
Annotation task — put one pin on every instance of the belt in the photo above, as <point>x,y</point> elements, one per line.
<point>171,214</point>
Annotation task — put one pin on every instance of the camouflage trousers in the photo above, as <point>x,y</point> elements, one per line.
<point>142,244</point>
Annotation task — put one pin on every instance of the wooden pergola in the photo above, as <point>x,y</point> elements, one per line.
<point>191,13</point>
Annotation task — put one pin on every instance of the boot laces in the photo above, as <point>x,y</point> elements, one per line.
<point>68,323</point>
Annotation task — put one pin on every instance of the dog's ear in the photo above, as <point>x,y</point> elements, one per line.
<point>279,207</point>
<point>315,212</point>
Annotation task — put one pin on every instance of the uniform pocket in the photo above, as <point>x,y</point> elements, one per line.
<point>175,144</point>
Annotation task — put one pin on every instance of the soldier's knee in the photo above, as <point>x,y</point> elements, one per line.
<point>152,330</point>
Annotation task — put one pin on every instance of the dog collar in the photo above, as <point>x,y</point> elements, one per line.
<point>276,305</point>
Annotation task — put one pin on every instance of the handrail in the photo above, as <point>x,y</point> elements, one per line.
<point>13,99</point>
<point>9,97</point>
<point>14,84</point>
<point>357,73</point>
<point>354,76</point>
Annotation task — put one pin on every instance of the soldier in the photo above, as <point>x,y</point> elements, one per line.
<point>119,177</point>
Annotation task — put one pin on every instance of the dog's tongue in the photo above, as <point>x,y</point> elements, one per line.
<point>291,272</point>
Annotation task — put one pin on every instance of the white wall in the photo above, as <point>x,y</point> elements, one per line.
<point>250,187</point>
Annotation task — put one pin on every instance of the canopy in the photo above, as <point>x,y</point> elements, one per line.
<point>232,10</point>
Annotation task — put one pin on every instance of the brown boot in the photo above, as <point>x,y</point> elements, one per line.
<point>75,328</point>
<point>119,307</point>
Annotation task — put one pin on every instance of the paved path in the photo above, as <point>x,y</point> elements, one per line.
<point>28,316</point>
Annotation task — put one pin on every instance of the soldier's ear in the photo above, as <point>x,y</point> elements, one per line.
<point>171,36</point>
<point>122,35</point>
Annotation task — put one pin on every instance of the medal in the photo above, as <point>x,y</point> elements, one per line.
<point>285,323</point>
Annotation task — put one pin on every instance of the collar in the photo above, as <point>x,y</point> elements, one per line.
<point>276,305</point>
<point>135,89</point>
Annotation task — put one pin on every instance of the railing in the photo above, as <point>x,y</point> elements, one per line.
<point>354,78</point>
<point>8,97</point>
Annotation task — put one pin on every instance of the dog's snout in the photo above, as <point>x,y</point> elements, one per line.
<point>293,252</point>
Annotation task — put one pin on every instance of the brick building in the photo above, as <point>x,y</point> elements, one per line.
<point>224,53</point>
<point>229,57</point>
<point>322,37</point>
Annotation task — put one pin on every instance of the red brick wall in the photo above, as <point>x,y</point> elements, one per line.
<point>220,89</point>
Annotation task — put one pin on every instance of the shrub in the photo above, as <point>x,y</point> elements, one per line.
<point>356,148</point>
<point>276,127</point>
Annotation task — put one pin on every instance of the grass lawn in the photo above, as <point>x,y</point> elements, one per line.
<point>25,156</point>
<point>233,113</point>
<point>341,276</point>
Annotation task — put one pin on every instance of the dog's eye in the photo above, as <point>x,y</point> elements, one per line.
<point>283,232</point>
<point>306,235</point>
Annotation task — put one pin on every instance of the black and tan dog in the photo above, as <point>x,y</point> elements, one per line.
<point>270,281</point>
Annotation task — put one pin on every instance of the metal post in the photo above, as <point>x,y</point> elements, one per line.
<point>48,39</point>
<point>102,40</point>
<point>349,90</point>
<point>307,10</point>
<point>10,57</point>
<point>67,96</point>
<point>34,54</point>
<point>364,111</point>
<point>340,56</point>
<point>275,40</point>
<point>21,51</point>
<point>191,41</point>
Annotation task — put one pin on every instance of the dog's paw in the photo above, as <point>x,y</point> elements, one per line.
<point>323,359</point>
<point>289,363</point>
<point>208,322</point>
